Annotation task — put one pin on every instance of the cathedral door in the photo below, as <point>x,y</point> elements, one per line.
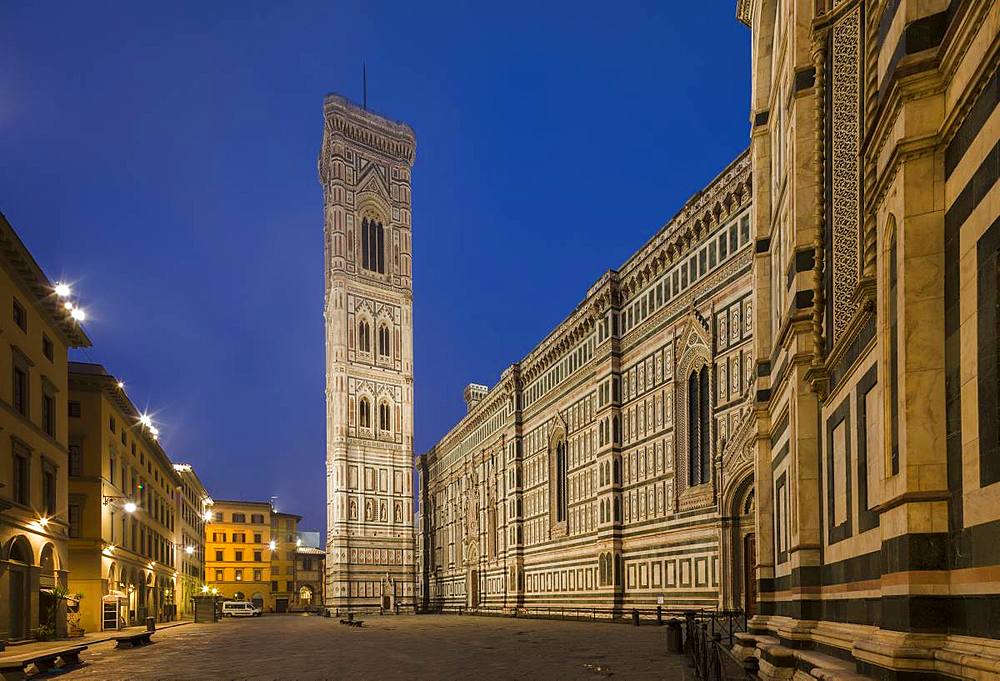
<point>472,590</point>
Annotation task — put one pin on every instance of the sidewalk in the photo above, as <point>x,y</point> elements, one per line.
<point>85,640</point>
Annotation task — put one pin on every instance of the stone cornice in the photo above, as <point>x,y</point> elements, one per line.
<point>25,271</point>
<point>389,139</point>
<point>728,193</point>
<point>744,11</point>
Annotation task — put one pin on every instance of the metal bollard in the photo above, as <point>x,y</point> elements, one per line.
<point>635,617</point>
<point>659,616</point>
<point>675,637</point>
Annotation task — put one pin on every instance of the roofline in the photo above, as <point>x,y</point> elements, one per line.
<point>673,223</point>
<point>121,399</point>
<point>248,503</point>
<point>32,277</point>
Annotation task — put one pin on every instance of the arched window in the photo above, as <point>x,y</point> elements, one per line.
<point>364,337</point>
<point>383,340</point>
<point>364,413</point>
<point>560,481</point>
<point>372,245</point>
<point>384,419</point>
<point>699,442</point>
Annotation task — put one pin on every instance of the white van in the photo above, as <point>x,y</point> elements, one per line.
<point>239,609</point>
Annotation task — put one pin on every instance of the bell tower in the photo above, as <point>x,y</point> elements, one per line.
<point>364,167</point>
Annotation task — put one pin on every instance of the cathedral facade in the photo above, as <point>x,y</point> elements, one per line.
<point>608,469</point>
<point>364,168</point>
<point>877,222</point>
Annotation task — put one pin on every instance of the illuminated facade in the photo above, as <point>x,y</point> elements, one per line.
<point>250,553</point>
<point>877,230</point>
<point>608,468</point>
<point>122,507</point>
<point>34,437</point>
<point>364,168</point>
<point>193,503</point>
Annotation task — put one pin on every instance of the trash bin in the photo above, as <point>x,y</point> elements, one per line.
<point>635,617</point>
<point>150,624</point>
<point>675,636</point>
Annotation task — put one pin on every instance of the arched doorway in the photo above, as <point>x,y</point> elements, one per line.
<point>305,596</point>
<point>47,604</point>
<point>20,558</point>
<point>258,600</point>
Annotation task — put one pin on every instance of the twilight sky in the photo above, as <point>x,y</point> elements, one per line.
<point>162,157</point>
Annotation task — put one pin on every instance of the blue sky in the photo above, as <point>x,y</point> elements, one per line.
<point>163,158</point>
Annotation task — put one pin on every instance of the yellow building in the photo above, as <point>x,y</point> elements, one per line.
<point>37,329</point>
<point>250,553</point>
<point>193,510</point>
<point>122,506</point>
<point>237,551</point>
<point>285,535</point>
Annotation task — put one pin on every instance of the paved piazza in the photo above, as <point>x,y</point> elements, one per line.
<point>404,647</point>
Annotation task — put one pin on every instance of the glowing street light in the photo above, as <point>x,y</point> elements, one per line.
<point>189,550</point>
<point>43,521</point>
<point>146,420</point>
<point>67,305</point>
<point>272,545</point>
<point>298,542</point>
<point>63,290</point>
<point>78,314</point>
<point>207,516</point>
<point>121,385</point>
<point>130,507</point>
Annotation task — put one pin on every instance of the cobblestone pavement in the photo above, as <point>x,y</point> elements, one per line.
<point>391,647</point>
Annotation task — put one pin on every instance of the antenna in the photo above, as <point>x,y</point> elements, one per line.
<point>364,85</point>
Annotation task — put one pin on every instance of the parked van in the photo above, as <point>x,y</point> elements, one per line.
<point>239,609</point>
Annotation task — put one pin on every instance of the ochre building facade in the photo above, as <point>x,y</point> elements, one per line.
<point>364,168</point>
<point>607,469</point>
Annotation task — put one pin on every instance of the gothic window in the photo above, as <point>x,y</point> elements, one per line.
<point>383,340</point>
<point>384,419</point>
<point>372,245</point>
<point>364,413</point>
<point>364,337</point>
<point>699,409</point>
<point>560,481</point>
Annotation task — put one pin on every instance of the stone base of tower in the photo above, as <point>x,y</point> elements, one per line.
<point>371,589</point>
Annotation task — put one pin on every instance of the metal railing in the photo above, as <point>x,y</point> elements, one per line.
<point>708,637</point>
<point>726,622</point>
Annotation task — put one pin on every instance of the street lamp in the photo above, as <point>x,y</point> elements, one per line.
<point>189,550</point>
<point>129,505</point>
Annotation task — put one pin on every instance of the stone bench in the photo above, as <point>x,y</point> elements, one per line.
<point>15,667</point>
<point>353,622</point>
<point>139,638</point>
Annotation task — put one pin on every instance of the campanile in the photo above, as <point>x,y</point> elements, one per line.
<point>364,167</point>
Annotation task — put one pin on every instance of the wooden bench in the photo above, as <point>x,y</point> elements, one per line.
<point>139,638</point>
<point>15,667</point>
<point>353,622</point>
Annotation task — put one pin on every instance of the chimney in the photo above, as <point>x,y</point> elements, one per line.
<point>474,393</point>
